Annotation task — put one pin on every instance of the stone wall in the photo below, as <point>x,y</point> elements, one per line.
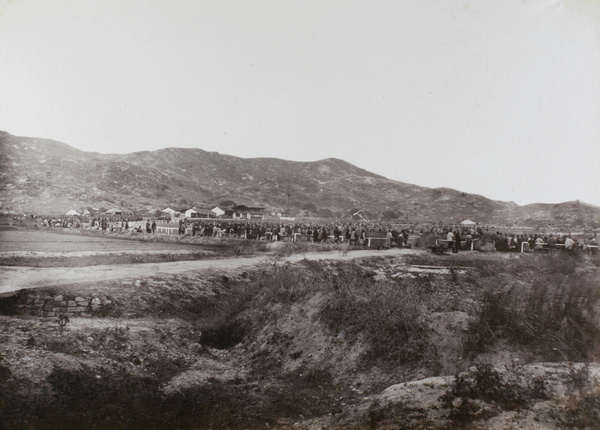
<point>47,303</point>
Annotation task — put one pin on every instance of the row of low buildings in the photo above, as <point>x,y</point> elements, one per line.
<point>219,211</point>
<point>226,209</point>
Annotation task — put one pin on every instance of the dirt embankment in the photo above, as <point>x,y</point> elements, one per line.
<point>364,343</point>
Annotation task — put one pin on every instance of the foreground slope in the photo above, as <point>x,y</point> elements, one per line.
<point>356,344</point>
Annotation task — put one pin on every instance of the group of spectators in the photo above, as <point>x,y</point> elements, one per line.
<point>456,236</point>
<point>354,234</point>
<point>532,242</point>
<point>510,242</point>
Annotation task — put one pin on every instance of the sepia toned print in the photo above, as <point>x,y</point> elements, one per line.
<point>299,215</point>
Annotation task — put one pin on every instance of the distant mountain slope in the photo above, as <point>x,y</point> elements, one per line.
<point>51,177</point>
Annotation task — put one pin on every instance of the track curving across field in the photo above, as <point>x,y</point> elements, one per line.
<point>15,279</point>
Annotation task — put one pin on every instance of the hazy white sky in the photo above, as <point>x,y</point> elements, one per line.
<point>499,98</point>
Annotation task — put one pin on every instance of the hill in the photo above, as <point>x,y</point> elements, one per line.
<point>46,176</point>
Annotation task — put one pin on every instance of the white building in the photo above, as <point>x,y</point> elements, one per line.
<point>171,212</point>
<point>199,213</point>
<point>218,211</point>
<point>191,213</point>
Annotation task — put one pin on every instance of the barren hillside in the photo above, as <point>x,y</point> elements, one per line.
<point>51,177</point>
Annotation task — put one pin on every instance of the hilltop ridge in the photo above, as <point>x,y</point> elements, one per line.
<point>46,176</point>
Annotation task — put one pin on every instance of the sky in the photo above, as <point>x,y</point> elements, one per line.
<point>498,98</point>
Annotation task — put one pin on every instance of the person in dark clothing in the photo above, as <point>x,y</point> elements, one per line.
<point>324,235</point>
<point>400,239</point>
<point>457,241</point>
<point>336,234</point>
<point>469,241</point>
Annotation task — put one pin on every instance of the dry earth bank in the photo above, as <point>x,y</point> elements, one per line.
<point>388,341</point>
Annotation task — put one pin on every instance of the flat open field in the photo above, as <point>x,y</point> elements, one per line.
<point>49,241</point>
<point>58,248</point>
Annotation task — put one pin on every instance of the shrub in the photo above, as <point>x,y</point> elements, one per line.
<point>582,407</point>
<point>398,416</point>
<point>556,314</point>
<point>584,414</point>
<point>388,313</point>
<point>498,392</point>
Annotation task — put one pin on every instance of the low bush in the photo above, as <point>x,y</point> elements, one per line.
<point>388,314</point>
<point>484,392</point>
<point>583,414</point>
<point>556,314</point>
<point>582,404</point>
<point>398,416</point>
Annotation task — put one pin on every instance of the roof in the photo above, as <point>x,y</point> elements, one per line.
<point>248,208</point>
<point>200,211</point>
<point>226,204</point>
<point>113,211</point>
<point>72,212</point>
<point>468,222</point>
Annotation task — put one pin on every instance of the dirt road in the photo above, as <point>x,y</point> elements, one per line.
<point>14,279</point>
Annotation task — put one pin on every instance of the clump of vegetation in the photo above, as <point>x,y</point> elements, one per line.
<point>555,313</point>
<point>584,413</point>
<point>582,406</point>
<point>398,416</point>
<point>387,315</point>
<point>390,315</point>
<point>484,392</point>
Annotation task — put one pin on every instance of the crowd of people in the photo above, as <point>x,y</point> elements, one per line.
<point>533,242</point>
<point>510,242</point>
<point>354,234</point>
<point>455,237</point>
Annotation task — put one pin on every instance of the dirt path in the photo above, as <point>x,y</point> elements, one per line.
<point>14,279</point>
